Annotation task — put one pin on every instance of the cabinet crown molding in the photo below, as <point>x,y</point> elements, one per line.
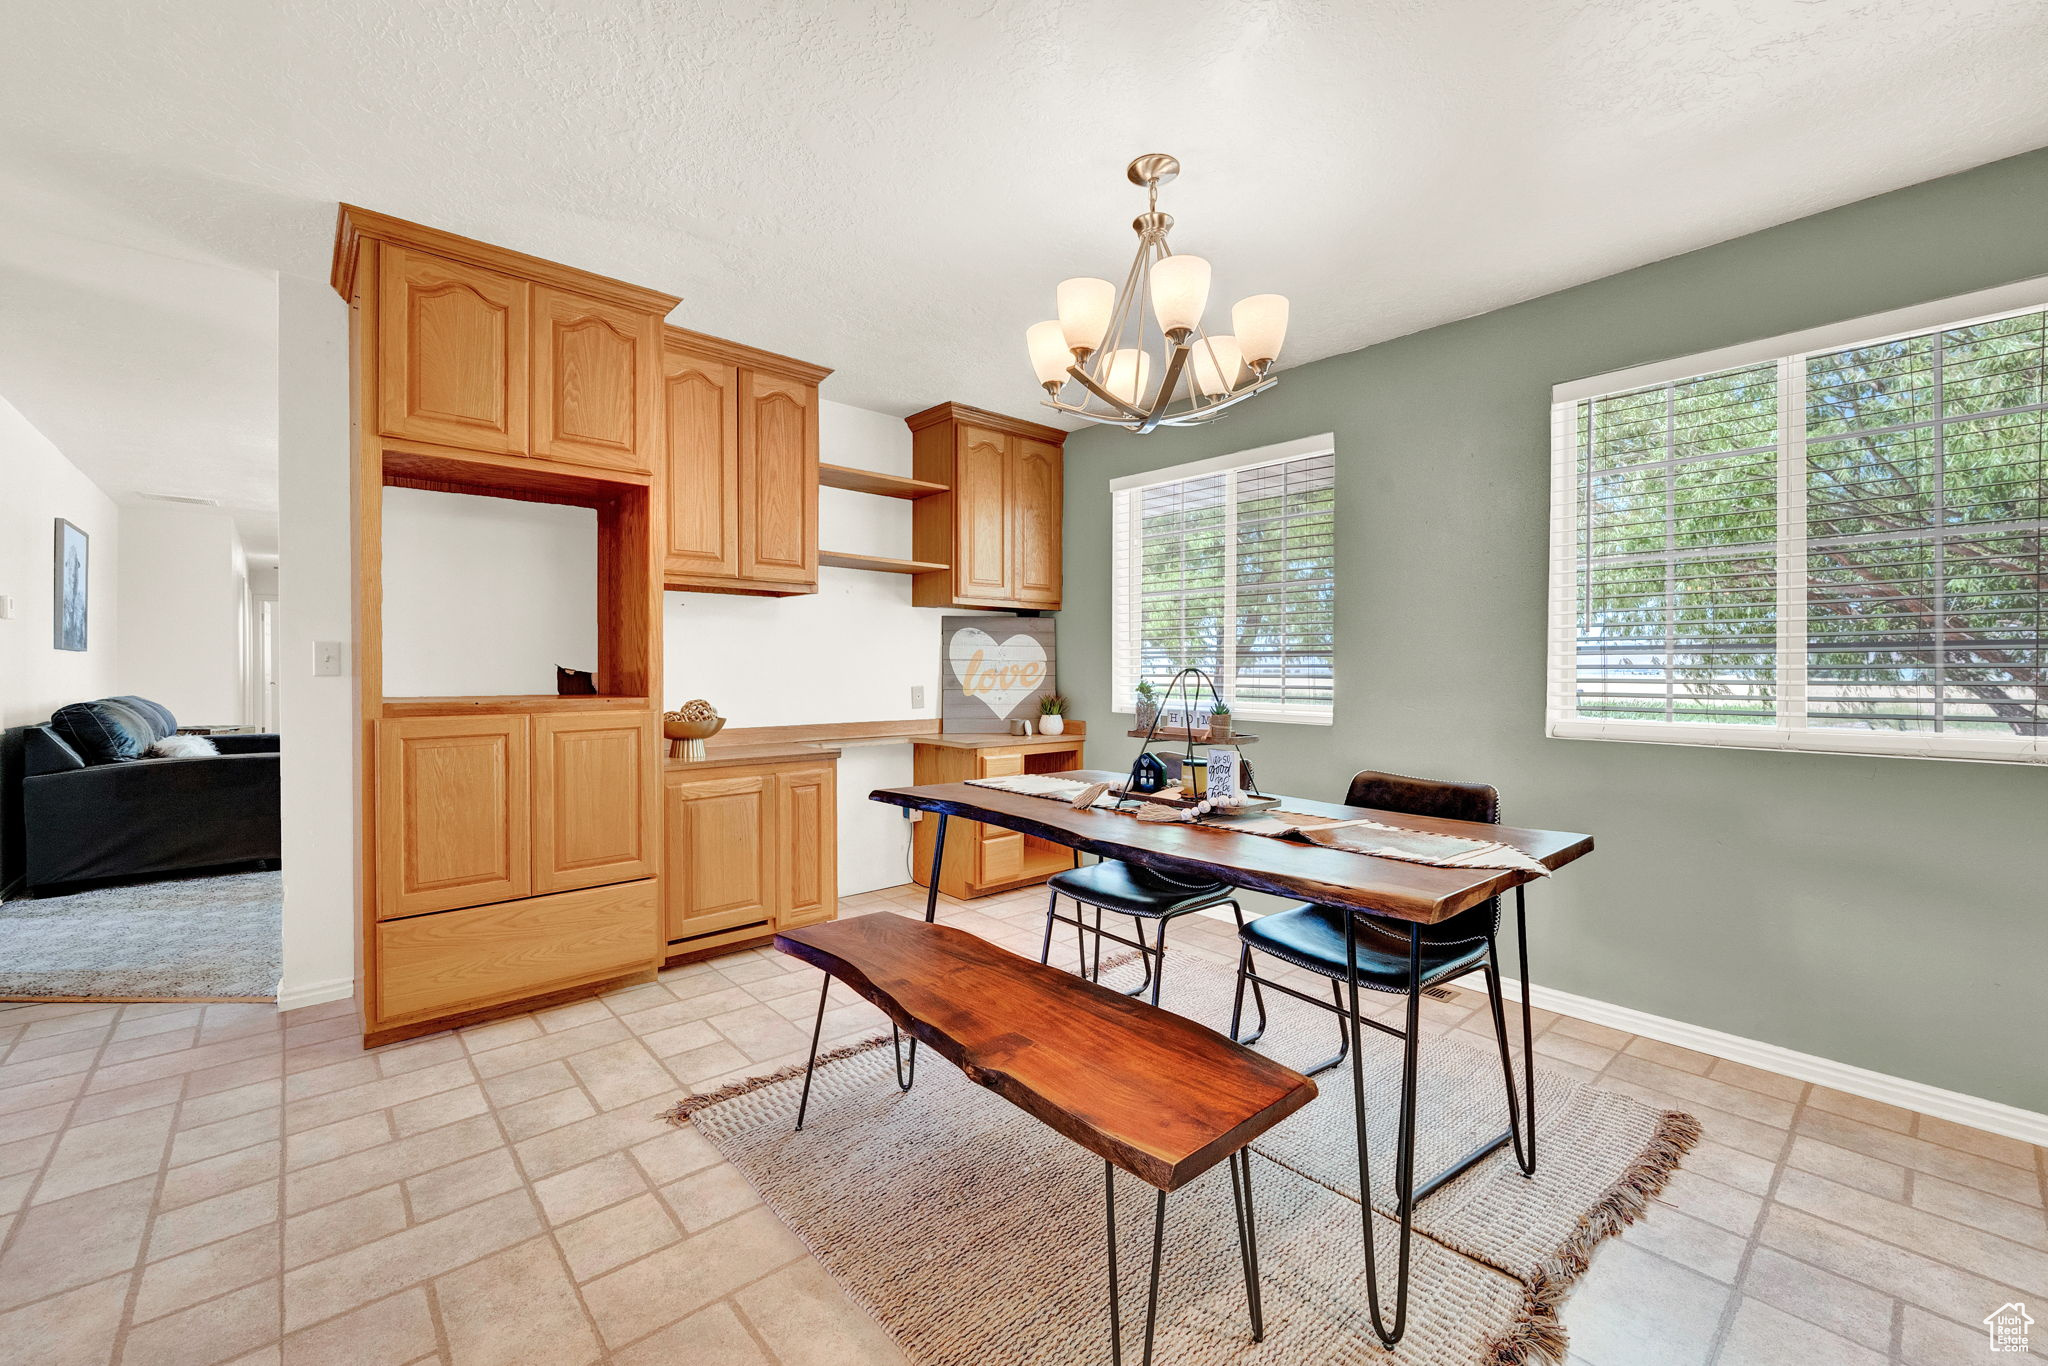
<point>353,224</point>
<point>739,353</point>
<point>981,417</point>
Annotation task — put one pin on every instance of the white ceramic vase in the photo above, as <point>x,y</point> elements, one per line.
<point>1052,725</point>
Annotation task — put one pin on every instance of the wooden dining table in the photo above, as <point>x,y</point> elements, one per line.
<point>1405,896</point>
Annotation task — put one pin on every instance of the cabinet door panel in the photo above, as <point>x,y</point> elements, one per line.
<point>702,406</point>
<point>452,825</point>
<point>981,512</point>
<point>451,353</point>
<point>778,479</point>
<point>1035,502</point>
<point>593,801</point>
<point>805,820</point>
<point>718,861</point>
<point>594,368</point>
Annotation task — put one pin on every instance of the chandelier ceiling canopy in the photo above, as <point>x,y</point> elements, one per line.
<point>1109,343</point>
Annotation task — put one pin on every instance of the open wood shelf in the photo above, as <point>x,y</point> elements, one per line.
<point>868,481</point>
<point>842,559</point>
<point>511,704</point>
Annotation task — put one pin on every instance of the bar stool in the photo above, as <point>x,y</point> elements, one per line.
<point>1356,950</point>
<point>1144,894</point>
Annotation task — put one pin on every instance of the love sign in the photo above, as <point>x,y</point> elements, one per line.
<point>994,670</point>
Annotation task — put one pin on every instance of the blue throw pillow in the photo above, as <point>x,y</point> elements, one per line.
<point>104,732</point>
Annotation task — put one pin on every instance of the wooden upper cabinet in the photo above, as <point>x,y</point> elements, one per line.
<point>595,819</point>
<point>981,515</point>
<point>451,353</point>
<point>595,368</point>
<point>998,526</point>
<point>452,814</point>
<point>702,435</point>
<point>742,467</point>
<point>778,479</point>
<point>1037,489</point>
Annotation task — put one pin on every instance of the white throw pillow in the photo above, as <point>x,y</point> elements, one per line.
<point>183,747</point>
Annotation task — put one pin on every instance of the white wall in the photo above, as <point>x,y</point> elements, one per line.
<point>852,651</point>
<point>182,606</point>
<point>316,715</point>
<point>37,486</point>
<point>485,595</point>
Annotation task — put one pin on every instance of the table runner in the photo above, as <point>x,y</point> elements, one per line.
<point>1355,835</point>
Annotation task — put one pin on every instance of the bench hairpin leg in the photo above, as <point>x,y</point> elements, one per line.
<point>1152,1295</point>
<point>817,1030</point>
<point>1116,1321</point>
<point>1247,1237</point>
<point>903,1083</point>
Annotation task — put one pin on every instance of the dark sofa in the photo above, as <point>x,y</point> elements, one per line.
<point>93,806</point>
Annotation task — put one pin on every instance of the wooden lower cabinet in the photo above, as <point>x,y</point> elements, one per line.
<point>747,849</point>
<point>453,825</point>
<point>984,859</point>
<point>432,966</point>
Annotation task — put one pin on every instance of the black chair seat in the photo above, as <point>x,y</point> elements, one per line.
<point>1312,937</point>
<point>1135,890</point>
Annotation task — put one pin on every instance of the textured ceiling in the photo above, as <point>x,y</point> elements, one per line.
<point>894,189</point>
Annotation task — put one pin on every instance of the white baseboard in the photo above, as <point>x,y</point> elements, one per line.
<point>1992,1116</point>
<point>314,993</point>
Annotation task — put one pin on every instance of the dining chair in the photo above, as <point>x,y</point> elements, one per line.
<point>1406,958</point>
<point>1144,894</point>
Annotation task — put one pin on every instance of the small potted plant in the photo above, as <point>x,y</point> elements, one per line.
<point>1219,723</point>
<point>1148,704</point>
<point>1052,714</point>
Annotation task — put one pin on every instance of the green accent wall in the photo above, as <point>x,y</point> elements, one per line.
<point>1889,913</point>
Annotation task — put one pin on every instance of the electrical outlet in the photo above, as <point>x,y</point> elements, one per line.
<point>911,813</point>
<point>327,659</point>
<point>917,695</point>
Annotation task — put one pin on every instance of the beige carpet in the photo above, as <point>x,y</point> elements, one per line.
<point>975,1234</point>
<point>182,939</point>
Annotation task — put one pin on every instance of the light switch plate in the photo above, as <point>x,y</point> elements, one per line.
<point>327,658</point>
<point>6,606</point>
<point>917,695</point>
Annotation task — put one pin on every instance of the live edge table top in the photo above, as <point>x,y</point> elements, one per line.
<point>1291,868</point>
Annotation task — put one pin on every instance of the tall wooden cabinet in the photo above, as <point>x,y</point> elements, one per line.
<point>742,467</point>
<point>997,527</point>
<point>511,844</point>
<point>750,849</point>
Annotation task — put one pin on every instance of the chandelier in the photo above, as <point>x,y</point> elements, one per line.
<point>1104,339</point>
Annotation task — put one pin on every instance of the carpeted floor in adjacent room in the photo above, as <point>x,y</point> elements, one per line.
<point>197,938</point>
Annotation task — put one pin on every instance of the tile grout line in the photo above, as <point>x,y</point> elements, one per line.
<point>1736,1294</point>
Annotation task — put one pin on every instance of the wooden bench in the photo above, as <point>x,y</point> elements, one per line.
<point>1148,1091</point>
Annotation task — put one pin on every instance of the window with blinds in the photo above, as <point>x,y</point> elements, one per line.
<point>1229,565</point>
<point>1838,547</point>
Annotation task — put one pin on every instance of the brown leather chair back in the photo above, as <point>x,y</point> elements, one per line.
<point>1445,801</point>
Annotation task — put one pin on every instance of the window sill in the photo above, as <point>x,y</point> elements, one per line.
<point>1255,718</point>
<point>1894,745</point>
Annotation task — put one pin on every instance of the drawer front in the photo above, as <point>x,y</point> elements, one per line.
<point>433,965</point>
<point>1001,765</point>
<point>1002,856</point>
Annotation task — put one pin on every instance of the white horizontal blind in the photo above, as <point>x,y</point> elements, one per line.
<point>1230,566</point>
<point>1839,549</point>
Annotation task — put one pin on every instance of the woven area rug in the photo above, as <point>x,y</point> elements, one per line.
<point>199,938</point>
<point>975,1234</point>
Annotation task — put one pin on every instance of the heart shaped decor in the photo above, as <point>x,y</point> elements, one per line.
<point>999,676</point>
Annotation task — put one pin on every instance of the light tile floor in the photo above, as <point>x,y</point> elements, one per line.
<point>186,1185</point>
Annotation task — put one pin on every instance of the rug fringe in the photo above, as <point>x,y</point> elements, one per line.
<point>679,1113</point>
<point>1536,1334</point>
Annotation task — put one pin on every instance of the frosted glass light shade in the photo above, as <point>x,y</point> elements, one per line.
<point>1084,305</point>
<point>1129,370</point>
<point>1047,343</point>
<point>1261,325</point>
<point>1180,290</point>
<point>1217,362</point>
